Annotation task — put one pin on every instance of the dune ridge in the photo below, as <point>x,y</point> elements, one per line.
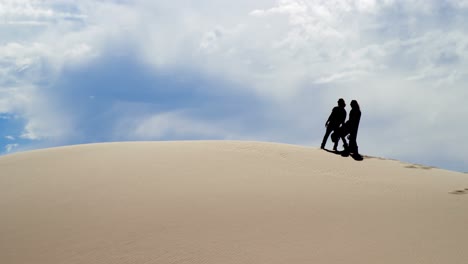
<point>226,202</point>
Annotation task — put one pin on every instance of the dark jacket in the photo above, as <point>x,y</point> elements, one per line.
<point>337,117</point>
<point>354,119</point>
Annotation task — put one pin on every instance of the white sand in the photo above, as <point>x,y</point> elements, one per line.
<point>226,202</point>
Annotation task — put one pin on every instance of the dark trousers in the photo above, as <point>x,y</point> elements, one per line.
<point>353,147</point>
<point>330,129</point>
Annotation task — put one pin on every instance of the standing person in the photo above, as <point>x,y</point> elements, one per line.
<point>335,120</point>
<point>352,126</point>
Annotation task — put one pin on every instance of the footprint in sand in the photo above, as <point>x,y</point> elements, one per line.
<point>417,166</point>
<point>458,192</point>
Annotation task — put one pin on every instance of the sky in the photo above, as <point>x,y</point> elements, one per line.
<point>87,71</point>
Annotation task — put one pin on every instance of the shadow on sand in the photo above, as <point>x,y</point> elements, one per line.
<point>355,156</point>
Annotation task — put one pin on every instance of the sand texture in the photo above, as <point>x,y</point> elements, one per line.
<point>223,202</point>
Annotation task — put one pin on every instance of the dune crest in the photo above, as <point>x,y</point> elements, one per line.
<point>226,202</point>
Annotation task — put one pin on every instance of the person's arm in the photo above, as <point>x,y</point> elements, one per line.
<point>329,118</point>
<point>344,118</point>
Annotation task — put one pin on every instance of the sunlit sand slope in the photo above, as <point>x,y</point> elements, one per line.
<point>225,202</point>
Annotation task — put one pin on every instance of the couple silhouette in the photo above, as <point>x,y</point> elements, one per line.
<point>339,129</point>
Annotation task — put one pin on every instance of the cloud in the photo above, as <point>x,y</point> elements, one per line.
<point>10,148</point>
<point>34,11</point>
<point>176,125</point>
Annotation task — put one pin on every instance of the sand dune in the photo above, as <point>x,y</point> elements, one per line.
<point>225,202</point>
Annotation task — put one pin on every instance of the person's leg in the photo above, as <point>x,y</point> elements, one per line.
<point>325,137</point>
<point>337,132</point>
<point>343,133</point>
<point>335,146</point>
<point>345,144</point>
<point>345,151</point>
<point>353,148</point>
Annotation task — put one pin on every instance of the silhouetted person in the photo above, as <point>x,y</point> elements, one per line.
<point>352,126</point>
<point>335,120</point>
